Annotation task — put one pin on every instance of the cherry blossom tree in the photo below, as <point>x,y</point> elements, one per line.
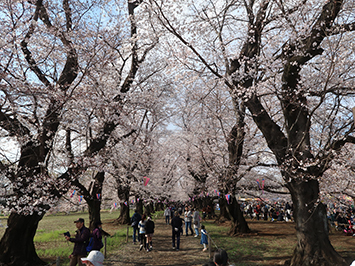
<point>290,62</point>
<point>56,57</point>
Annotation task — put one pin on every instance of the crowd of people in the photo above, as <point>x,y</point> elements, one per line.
<point>187,220</point>
<point>279,211</point>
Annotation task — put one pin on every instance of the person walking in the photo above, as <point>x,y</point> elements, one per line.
<point>188,219</point>
<point>141,226</point>
<point>196,220</point>
<point>204,238</point>
<point>176,225</point>
<point>167,214</point>
<point>80,242</point>
<point>136,217</point>
<point>149,231</point>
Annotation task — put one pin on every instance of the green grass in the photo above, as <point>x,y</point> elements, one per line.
<point>50,242</point>
<point>243,251</point>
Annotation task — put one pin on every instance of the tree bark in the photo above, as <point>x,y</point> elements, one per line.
<point>239,224</point>
<point>123,195</point>
<point>139,206</point>
<point>149,208</point>
<point>17,246</point>
<point>94,201</point>
<point>313,245</point>
<point>223,213</point>
<point>159,206</point>
<point>124,217</point>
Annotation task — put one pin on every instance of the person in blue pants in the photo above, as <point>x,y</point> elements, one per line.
<point>136,217</point>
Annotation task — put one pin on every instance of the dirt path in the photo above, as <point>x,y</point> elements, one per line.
<point>190,252</point>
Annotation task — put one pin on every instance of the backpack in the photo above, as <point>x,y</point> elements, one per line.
<point>90,245</point>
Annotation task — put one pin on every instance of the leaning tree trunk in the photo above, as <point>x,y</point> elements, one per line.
<point>313,245</point>
<point>16,246</point>
<point>223,212</point>
<point>239,224</point>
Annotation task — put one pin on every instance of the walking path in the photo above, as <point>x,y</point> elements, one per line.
<point>190,252</point>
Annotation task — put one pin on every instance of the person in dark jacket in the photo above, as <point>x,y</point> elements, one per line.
<point>149,231</point>
<point>136,217</point>
<point>80,242</point>
<point>176,225</point>
<point>97,237</point>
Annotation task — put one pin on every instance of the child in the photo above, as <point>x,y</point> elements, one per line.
<point>204,238</point>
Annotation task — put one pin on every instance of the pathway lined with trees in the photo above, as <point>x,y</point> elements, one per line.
<point>190,252</point>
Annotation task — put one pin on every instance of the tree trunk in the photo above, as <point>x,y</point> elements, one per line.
<point>149,208</point>
<point>16,246</point>
<point>239,225</point>
<point>223,213</point>
<point>198,203</point>
<point>313,245</point>
<point>124,217</point>
<point>94,202</point>
<point>123,194</point>
<point>159,206</point>
<point>139,206</point>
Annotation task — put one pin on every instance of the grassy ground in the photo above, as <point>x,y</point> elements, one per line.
<point>50,242</point>
<point>268,244</point>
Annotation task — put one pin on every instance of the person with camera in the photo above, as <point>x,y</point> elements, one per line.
<point>80,242</point>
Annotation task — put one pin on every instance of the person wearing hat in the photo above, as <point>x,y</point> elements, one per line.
<point>95,258</point>
<point>80,242</point>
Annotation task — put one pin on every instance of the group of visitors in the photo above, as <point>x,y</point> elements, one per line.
<point>342,218</point>
<point>172,217</point>
<point>87,245</point>
<point>84,242</point>
<point>280,211</point>
<point>144,225</point>
<point>191,215</point>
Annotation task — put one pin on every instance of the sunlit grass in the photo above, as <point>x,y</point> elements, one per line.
<point>50,242</point>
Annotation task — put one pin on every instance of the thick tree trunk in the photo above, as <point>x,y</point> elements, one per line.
<point>313,245</point>
<point>16,246</point>
<point>139,206</point>
<point>239,224</point>
<point>94,212</point>
<point>159,206</point>
<point>124,217</point>
<point>149,208</point>
<point>223,213</point>
<point>123,194</point>
<point>94,202</point>
<point>198,203</point>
